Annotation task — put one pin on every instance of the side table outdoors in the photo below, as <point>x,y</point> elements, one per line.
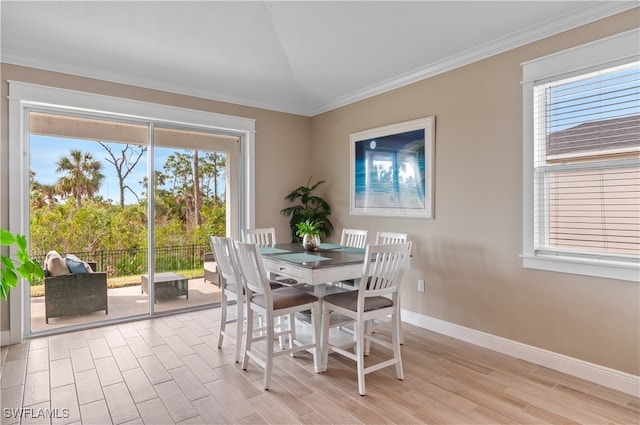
<point>167,285</point>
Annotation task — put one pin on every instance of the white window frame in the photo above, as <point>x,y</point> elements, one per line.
<point>24,97</point>
<point>620,48</point>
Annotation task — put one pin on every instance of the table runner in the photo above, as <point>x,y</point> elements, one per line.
<point>272,250</point>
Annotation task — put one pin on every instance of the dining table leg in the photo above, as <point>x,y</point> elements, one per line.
<point>318,355</point>
<point>323,316</point>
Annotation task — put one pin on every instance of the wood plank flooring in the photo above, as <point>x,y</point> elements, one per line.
<point>168,370</point>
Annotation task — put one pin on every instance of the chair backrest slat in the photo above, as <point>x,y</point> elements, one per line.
<point>391,237</point>
<point>354,238</point>
<point>251,268</point>
<point>225,261</point>
<point>384,267</point>
<point>262,237</point>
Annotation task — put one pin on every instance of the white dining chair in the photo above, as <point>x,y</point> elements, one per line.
<point>231,289</point>
<point>388,238</point>
<point>260,236</point>
<point>264,237</point>
<point>271,304</point>
<point>353,238</point>
<point>376,297</point>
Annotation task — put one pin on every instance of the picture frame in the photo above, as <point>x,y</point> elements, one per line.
<point>392,170</point>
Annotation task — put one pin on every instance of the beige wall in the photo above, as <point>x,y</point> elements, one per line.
<point>469,254</point>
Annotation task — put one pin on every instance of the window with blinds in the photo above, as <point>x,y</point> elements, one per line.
<point>586,170</point>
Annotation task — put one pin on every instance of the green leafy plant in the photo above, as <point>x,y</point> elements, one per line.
<point>24,266</point>
<point>308,227</point>
<point>311,207</point>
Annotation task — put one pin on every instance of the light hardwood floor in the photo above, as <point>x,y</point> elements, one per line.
<point>169,370</point>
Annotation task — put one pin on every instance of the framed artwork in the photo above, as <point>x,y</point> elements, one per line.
<point>392,170</point>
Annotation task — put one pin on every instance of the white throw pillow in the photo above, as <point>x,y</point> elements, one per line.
<point>55,264</point>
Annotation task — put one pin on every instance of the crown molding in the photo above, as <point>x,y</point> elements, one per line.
<point>79,70</point>
<point>528,35</point>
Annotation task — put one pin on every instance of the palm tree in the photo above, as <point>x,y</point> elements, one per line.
<point>43,195</point>
<point>83,175</point>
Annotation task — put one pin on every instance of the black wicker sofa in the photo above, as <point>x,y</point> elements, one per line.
<point>74,294</point>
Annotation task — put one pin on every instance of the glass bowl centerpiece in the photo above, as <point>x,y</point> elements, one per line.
<point>309,231</point>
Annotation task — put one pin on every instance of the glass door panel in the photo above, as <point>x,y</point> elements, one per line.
<point>88,200</point>
<point>190,199</point>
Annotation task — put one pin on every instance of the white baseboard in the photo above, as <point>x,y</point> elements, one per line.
<point>601,375</point>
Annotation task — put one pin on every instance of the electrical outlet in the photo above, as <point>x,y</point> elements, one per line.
<point>420,285</point>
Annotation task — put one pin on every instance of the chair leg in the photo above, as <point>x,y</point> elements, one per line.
<point>223,319</point>
<point>280,320</point>
<point>268,361</point>
<point>368,330</point>
<point>248,337</point>
<point>360,330</point>
<point>401,334</point>
<point>371,329</point>
<point>280,325</point>
<point>239,328</point>
<point>395,340</point>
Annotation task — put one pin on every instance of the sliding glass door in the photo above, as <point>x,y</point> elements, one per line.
<point>134,200</point>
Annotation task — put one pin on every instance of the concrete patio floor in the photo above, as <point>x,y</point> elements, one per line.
<point>124,302</point>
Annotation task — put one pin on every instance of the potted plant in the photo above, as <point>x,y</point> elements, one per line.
<point>24,266</point>
<point>309,231</point>
<point>311,207</point>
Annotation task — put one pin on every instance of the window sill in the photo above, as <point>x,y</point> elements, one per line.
<point>583,266</point>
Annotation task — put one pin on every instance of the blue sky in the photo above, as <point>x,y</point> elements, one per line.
<point>46,151</point>
<point>599,95</point>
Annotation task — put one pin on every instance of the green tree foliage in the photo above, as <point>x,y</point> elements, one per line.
<point>43,194</point>
<point>212,166</point>
<point>59,222</point>
<point>83,175</point>
<point>213,224</point>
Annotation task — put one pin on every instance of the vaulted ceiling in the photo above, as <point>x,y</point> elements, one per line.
<point>304,57</point>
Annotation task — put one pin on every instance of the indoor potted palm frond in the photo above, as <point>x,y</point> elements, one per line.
<point>310,207</point>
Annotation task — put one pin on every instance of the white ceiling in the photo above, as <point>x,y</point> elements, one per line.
<point>304,57</point>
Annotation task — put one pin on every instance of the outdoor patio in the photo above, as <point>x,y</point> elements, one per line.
<point>127,301</point>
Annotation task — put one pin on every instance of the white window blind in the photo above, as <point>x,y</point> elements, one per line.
<point>586,164</point>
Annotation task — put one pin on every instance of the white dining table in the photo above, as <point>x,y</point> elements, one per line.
<point>330,263</point>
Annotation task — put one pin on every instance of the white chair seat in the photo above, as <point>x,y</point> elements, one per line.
<point>349,301</point>
<point>285,297</point>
